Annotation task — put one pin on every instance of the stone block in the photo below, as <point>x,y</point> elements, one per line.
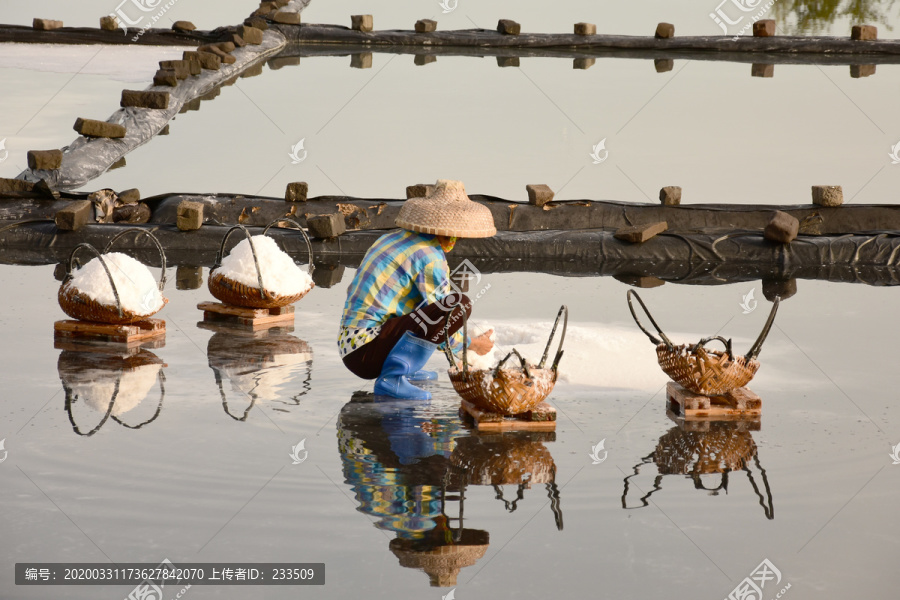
<point>190,215</point>
<point>74,216</point>
<point>231,37</point>
<point>764,28</point>
<point>15,185</point>
<point>44,159</point>
<point>782,228</point>
<point>362,23</point>
<point>257,22</point>
<point>420,60</point>
<point>362,60</point>
<point>281,3</point>
<point>857,71</point>
<point>184,26</point>
<point>192,58</point>
<point>426,26</point>
<point>210,60</point>
<point>102,129</point>
<point>670,195</point>
<point>585,29</point>
<point>420,190</point>
<point>296,191</point>
<point>109,23</point>
<point>583,63</point>
<point>181,67</point>
<point>326,226</point>
<point>165,77</point>
<point>188,277</point>
<point>762,70</point>
<point>663,65</point>
<point>131,213</point>
<point>827,195</point>
<point>268,6</point>
<point>508,61</point>
<point>539,194</point>
<point>508,27</point>
<point>251,35</point>
<point>46,24</point>
<point>638,234</point>
<point>863,33</point>
<point>130,196</point>
<point>665,31</point>
<point>286,18</point>
<point>157,100</point>
<point>225,46</point>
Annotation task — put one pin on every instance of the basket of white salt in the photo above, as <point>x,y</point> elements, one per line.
<point>112,287</point>
<point>259,274</point>
<point>508,390</point>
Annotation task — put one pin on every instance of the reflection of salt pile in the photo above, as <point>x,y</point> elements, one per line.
<point>98,388</point>
<point>596,355</point>
<point>280,275</point>
<point>270,377</point>
<point>137,289</point>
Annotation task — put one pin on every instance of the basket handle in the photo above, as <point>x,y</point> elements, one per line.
<point>521,360</point>
<point>162,254</point>
<point>447,352</point>
<point>221,253</point>
<point>715,338</point>
<point>71,264</point>
<point>510,505</point>
<point>563,312</point>
<point>305,237</point>
<point>225,399</point>
<point>757,345</point>
<point>652,337</point>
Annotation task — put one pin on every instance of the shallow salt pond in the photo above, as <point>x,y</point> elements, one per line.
<point>210,477</point>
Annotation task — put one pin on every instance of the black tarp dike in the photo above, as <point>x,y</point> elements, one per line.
<point>701,258</point>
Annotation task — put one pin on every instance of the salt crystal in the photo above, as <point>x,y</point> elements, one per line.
<point>280,275</point>
<point>137,289</point>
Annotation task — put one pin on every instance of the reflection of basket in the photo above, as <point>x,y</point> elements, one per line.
<point>508,391</point>
<point>700,370</point>
<point>503,460</point>
<point>238,294</point>
<point>83,308</point>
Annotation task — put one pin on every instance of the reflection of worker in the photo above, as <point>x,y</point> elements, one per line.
<point>400,306</point>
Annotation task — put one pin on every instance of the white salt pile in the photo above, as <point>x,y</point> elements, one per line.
<point>137,289</point>
<point>478,362</point>
<point>280,275</point>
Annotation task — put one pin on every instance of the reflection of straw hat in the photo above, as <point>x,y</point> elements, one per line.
<point>442,563</point>
<point>447,210</point>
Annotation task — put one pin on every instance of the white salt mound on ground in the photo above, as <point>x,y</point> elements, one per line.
<point>137,289</point>
<point>280,275</point>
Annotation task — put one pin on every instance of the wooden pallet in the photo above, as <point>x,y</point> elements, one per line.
<point>249,317</point>
<point>542,418</point>
<point>143,333</point>
<point>740,403</point>
<point>703,424</point>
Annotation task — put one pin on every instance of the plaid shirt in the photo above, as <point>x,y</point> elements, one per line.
<point>402,271</point>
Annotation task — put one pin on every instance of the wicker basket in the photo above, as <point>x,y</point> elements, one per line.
<point>80,306</point>
<point>234,293</point>
<point>508,391</point>
<point>700,369</point>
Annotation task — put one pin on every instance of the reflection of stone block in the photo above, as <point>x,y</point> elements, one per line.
<point>326,226</point>
<point>74,216</point>
<point>507,61</point>
<point>583,63</point>
<point>639,234</point>
<point>663,65</point>
<point>44,159</point>
<point>361,61</point>
<point>783,288</point>
<point>362,23</point>
<point>420,190</point>
<point>857,71</point>
<point>190,105</point>
<point>92,128</point>
<point>585,29</point>
<point>296,191</point>
<point>190,215</point>
<point>121,162</point>
<point>188,277</point>
<point>425,26</point>
<point>109,23</point>
<point>864,33</point>
<point>283,61</point>
<point>827,195</point>
<point>782,228</point>
<point>183,26</point>
<point>46,24</point>
<point>253,70</point>
<point>157,100</point>
<point>665,30</point>
<point>670,195</point>
<point>327,275</point>
<point>640,281</point>
<point>762,70</point>
<point>421,60</point>
<point>508,27</point>
<point>764,28</point>
<point>539,194</point>
<point>287,18</point>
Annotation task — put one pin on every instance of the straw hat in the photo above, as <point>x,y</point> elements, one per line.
<point>448,211</point>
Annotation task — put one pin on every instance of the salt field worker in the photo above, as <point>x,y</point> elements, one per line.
<point>400,305</point>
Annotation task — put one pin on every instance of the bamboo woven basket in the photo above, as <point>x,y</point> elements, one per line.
<point>700,369</point>
<point>235,293</point>
<point>508,391</point>
<point>83,308</point>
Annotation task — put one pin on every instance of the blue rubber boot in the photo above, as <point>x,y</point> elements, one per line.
<point>423,375</point>
<point>408,356</point>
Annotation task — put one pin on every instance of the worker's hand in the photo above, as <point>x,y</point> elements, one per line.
<point>482,344</point>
